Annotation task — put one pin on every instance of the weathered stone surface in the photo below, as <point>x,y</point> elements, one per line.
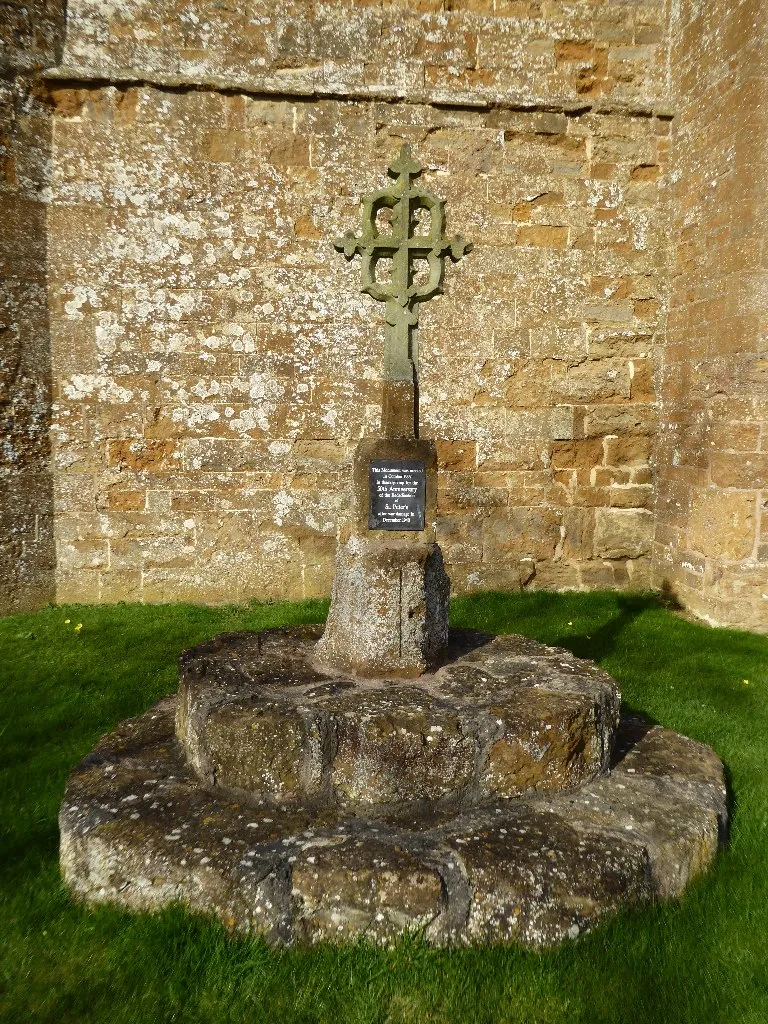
<point>549,741</point>
<point>208,403</point>
<point>259,716</point>
<point>389,608</point>
<point>711,513</point>
<point>537,880</point>
<point>346,885</point>
<point>390,596</point>
<point>623,533</point>
<point>666,794</point>
<point>139,830</point>
<point>465,55</point>
<point>236,731</point>
<point>259,748</point>
<point>173,311</point>
<point>722,525</point>
<point>397,745</point>
<point>28,37</point>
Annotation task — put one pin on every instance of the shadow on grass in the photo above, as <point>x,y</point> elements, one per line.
<point>23,857</point>
<point>601,643</point>
<point>731,803</point>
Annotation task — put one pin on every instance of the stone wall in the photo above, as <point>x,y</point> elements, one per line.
<point>213,363</point>
<point>472,52</point>
<point>30,37</point>
<point>712,534</point>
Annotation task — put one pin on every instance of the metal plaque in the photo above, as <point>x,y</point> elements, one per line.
<point>397,494</point>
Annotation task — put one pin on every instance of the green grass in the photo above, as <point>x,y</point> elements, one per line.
<point>702,959</point>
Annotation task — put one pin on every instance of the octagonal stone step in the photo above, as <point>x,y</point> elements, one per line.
<point>139,830</point>
<point>259,718</point>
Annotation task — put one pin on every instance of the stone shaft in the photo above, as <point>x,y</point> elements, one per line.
<point>389,608</point>
<point>399,409</point>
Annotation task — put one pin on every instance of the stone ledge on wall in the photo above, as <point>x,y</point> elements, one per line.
<point>474,53</point>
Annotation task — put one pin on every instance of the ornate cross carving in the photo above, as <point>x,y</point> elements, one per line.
<point>404,243</point>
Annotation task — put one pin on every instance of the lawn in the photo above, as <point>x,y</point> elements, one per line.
<point>702,959</point>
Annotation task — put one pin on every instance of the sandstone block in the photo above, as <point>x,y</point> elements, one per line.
<point>604,574</point>
<point>360,885</point>
<point>256,748</point>
<point>557,342</point>
<point>549,236</point>
<point>593,381</point>
<point>722,523</point>
<point>578,454</point>
<point>549,743</point>
<point>399,745</point>
<point>521,532</point>
<point>456,455</point>
<point>627,451</point>
<point>632,496</point>
<point>507,862</point>
<point>622,533</point>
<point>743,471</point>
<point>624,420</point>
<point>467,579</point>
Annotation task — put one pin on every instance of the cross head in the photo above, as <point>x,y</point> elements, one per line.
<point>402,259</point>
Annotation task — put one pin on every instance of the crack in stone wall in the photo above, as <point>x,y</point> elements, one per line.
<point>57,78</point>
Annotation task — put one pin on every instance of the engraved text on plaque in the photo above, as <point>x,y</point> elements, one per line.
<point>397,494</point>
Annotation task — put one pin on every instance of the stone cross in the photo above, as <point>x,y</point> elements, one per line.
<point>394,233</point>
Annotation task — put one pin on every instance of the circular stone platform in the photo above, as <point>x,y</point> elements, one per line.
<point>503,715</point>
<point>473,803</point>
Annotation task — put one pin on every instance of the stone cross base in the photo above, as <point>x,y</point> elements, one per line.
<point>472,805</point>
<point>389,608</point>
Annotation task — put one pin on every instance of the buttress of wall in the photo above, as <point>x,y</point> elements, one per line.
<point>712,536</point>
<point>30,34</point>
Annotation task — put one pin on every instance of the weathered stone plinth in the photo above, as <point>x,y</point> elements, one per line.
<point>504,715</point>
<point>389,608</point>
<point>473,803</point>
<point>391,594</point>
